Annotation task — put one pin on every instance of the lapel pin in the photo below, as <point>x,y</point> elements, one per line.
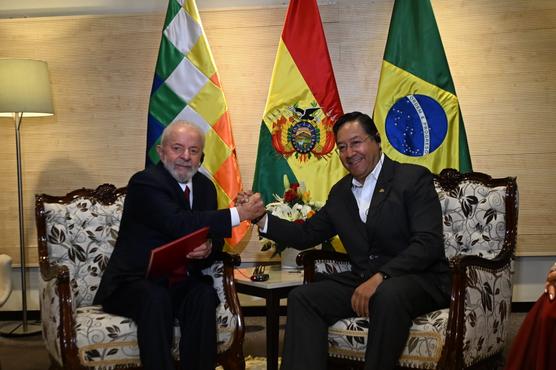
<point>381,190</point>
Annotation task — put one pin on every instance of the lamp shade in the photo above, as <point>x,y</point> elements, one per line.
<point>25,88</point>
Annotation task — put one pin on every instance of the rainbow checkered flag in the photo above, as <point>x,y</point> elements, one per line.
<point>417,110</point>
<point>186,86</point>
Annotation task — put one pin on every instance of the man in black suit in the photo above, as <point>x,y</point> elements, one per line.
<point>388,217</point>
<point>163,203</point>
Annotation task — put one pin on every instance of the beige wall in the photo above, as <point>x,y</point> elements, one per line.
<point>502,57</point>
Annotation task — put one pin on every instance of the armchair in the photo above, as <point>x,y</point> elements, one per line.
<point>480,227</point>
<point>76,236</point>
<point>5,278</point>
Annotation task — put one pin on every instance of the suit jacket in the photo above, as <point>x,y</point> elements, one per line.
<point>155,212</point>
<point>402,235</point>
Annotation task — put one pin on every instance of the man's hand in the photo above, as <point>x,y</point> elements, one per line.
<point>201,252</point>
<point>250,209</point>
<point>243,197</point>
<point>550,285</point>
<point>363,293</point>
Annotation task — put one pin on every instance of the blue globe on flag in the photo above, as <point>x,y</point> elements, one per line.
<point>416,125</point>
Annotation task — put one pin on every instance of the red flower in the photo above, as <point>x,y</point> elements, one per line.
<point>290,196</point>
<point>300,221</point>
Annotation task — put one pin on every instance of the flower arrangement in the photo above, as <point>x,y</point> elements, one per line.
<point>295,205</point>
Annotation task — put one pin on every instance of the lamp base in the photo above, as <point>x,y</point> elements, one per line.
<point>17,329</point>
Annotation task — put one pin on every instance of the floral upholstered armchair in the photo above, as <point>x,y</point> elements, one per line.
<point>5,278</point>
<point>480,226</point>
<point>76,236</point>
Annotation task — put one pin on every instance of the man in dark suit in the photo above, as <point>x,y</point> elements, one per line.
<point>388,218</point>
<point>163,203</point>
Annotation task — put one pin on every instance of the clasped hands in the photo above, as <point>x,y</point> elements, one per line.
<point>250,206</point>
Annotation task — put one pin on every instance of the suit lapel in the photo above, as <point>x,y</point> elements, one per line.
<point>198,191</point>
<point>352,208</point>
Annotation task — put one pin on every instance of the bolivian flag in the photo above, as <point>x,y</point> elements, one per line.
<point>186,87</point>
<point>296,136</point>
<point>417,111</point>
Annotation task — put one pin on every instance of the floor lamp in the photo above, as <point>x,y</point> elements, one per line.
<point>24,90</point>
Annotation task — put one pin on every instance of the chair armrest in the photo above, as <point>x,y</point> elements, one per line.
<point>479,309</point>
<point>229,311</point>
<point>57,312</point>
<point>228,263</point>
<point>328,261</point>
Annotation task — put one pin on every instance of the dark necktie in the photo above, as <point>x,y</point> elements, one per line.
<point>180,273</point>
<point>186,192</point>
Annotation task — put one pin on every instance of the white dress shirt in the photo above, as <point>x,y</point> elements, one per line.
<point>234,215</point>
<point>363,193</point>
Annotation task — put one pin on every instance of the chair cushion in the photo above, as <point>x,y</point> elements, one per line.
<point>81,235</point>
<point>347,338</point>
<point>474,219</point>
<point>104,340</point>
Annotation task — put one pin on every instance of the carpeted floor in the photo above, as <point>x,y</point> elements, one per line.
<point>28,353</point>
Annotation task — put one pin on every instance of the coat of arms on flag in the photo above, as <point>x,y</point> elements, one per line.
<point>301,132</point>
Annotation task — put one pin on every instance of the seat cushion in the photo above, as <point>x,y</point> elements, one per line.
<point>347,338</point>
<point>105,341</point>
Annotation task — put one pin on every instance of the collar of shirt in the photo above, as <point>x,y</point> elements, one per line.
<point>363,193</point>
<point>189,184</point>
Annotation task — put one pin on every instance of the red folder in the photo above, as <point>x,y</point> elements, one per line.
<point>170,256</point>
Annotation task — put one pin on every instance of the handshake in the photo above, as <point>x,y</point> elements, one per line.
<point>250,206</point>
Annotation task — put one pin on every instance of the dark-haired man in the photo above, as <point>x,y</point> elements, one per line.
<point>388,217</point>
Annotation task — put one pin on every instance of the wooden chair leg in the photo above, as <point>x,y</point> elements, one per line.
<point>232,361</point>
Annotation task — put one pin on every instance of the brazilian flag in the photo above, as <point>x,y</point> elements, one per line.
<point>417,111</point>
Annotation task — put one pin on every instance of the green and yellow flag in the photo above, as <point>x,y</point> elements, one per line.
<point>186,87</point>
<point>296,136</point>
<point>417,111</point>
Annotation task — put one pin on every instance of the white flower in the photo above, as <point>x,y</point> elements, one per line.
<point>300,208</point>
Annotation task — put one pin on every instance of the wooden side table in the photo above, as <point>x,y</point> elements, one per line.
<point>279,284</point>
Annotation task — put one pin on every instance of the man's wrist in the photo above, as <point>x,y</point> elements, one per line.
<point>235,218</point>
<point>257,219</point>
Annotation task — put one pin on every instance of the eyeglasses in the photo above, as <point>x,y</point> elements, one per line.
<point>354,144</point>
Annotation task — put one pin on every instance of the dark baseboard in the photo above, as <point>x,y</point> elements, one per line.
<point>18,316</point>
<point>522,306</point>
<point>247,311</point>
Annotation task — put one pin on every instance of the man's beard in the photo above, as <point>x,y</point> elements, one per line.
<point>181,178</point>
